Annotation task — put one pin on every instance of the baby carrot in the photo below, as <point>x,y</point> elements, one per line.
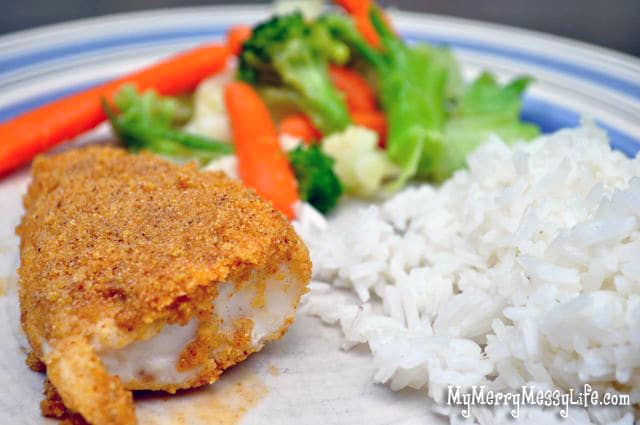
<point>262,164</point>
<point>354,7</point>
<point>361,100</point>
<point>42,128</point>
<point>300,126</point>
<point>358,94</point>
<point>364,25</point>
<point>236,36</point>
<point>359,11</point>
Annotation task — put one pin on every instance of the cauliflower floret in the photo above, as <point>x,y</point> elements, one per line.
<point>210,117</point>
<point>359,163</point>
<point>227,164</point>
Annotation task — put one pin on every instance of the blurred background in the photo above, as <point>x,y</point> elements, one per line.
<point>610,23</point>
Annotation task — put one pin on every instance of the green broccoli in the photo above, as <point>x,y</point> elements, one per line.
<point>317,183</point>
<point>287,58</point>
<point>149,121</point>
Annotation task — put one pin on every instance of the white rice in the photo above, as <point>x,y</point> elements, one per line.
<point>523,269</point>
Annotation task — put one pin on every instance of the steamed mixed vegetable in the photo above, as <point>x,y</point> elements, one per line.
<point>148,121</point>
<point>287,60</point>
<point>42,128</point>
<point>316,108</point>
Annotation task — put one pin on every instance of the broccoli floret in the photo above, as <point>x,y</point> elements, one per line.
<point>148,121</point>
<point>317,183</point>
<point>287,54</point>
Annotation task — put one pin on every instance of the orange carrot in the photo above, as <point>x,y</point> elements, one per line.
<point>366,28</point>
<point>44,127</point>
<point>374,120</point>
<point>358,94</point>
<point>354,7</point>
<point>300,126</point>
<point>236,36</point>
<point>359,11</point>
<point>262,164</point>
<point>361,100</point>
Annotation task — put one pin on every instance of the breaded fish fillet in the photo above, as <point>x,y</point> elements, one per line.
<point>140,274</point>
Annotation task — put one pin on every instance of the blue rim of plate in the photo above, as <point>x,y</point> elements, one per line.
<point>549,115</point>
<point>36,58</point>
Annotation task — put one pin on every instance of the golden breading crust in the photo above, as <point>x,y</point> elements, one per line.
<point>114,246</point>
<point>53,407</point>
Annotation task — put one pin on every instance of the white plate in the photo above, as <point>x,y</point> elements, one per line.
<point>305,377</point>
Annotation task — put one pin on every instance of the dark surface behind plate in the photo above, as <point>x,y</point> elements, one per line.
<point>611,24</point>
